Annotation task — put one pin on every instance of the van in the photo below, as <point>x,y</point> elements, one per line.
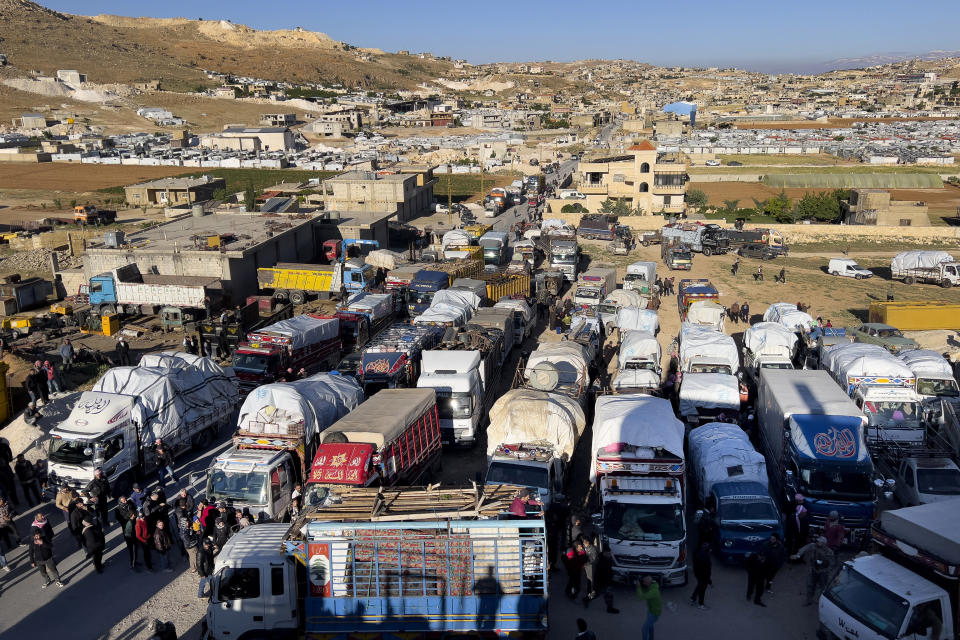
<point>571,194</point>
<point>847,267</point>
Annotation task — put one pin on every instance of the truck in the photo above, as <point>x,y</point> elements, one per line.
<point>25,293</point>
<point>456,239</point>
<point>363,316</point>
<point>391,439</point>
<point>392,360</point>
<point>934,267</point>
<point>690,290</point>
<point>501,284</point>
<point>455,376</point>
<point>615,300</point>
<point>677,258</point>
<point>767,345</point>
<point>813,345</point>
<point>126,291</point>
<point>470,572</point>
<point>474,286</point>
<point>638,364</point>
<point>227,332</point>
<point>492,207</point>
<point>769,237</point>
<point>633,319</point>
<point>708,239</point>
<point>301,282</point>
<point>933,374</point>
<point>500,320</point>
<point>89,214</point>
<point>496,247</point>
<point>593,285</point>
<point>422,288</point>
<point>916,316</point>
<point>787,315</point>
<point>922,474</point>
<point>564,256</point>
<point>708,362</point>
<point>637,467</point>
<point>177,397</point>
<point>907,590</point>
<point>449,308</point>
<point>523,318</point>
<point>531,438</point>
<point>641,276</point>
<point>278,430</point>
<point>301,342</point>
<point>732,476</point>
<point>560,367</point>
<point>597,227</point>
<point>814,440</point>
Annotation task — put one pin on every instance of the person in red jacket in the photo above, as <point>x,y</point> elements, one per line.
<point>145,539</point>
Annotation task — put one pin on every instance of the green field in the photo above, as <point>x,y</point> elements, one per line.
<point>463,186</point>
<point>752,159</point>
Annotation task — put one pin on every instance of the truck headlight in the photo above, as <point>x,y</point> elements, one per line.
<point>728,543</point>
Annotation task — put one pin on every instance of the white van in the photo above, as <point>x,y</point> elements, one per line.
<point>570,194</point>
<point>847,267</point>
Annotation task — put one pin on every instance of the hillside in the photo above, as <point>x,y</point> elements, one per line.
<point>120,49</point>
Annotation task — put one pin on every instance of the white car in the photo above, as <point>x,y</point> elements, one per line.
<point>441,208</point>
<point>712,163</point>
<point>571,195</point>
<point>847,267</point>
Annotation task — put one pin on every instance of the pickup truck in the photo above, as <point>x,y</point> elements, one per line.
<point>935,267</point>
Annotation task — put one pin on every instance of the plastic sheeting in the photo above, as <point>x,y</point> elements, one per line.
<point>930,527</point>
<point>384,417</point>
<point>568,358</point>
<point>304,330</point>
<point>703,342</point>
<point>721,452</point>
<point>769,337</point>
<point>786,314</point>
<point>385,259</point>
<point>634,319</point>
<point>457,238</point>
<point>312,404</point>
<point>634,420</point>
<point>863,360</point>
<point>459,297</point>
<point>222,381</point>
<point>706,312</point>
<point>926,362</point>
<point>626,298</point>
<point>636,379</point>
<point>516,305</point>
<point>444,313</point>
<point>376,305</point>
<point>640,345</point>
<point>919,260</point>
<point>708,391</point>
<point>536,417</point>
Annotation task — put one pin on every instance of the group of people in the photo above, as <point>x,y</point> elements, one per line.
<point>664,286</point>
<point>739,312</point>
<point>43,381</point>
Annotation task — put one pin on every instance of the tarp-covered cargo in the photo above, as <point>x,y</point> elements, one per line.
<point>516,305</point>
<point>460,297</point>
<point>221,380</point>
<point>567,358</point>
<point>769,338</point>
<point>300,331</point>
<point>931,528</point>
<point>638,345</point>
<point>385,259</point>
<point>382,418</point>
<point>708,391</point>
<point>526,416</point>
<point>634,319</point>
<point>376,305</point>
<point>707,313</point>
<point>703,342</point>
<point>788,315</point>
<point>444,314</point>
<point>626,298</point>
<point>456,238</point>
<point>634,420</point>
<point>919,260</point>
<point>926,362</point>
<point>856,363</point>
<point>721,452</point>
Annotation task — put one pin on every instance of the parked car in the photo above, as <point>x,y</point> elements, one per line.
<point>441,208</point>
<point>734,163</point>
<point>712,163</point>
<point>847,267</point>
<point>757,250</point>
<point>890,338</point>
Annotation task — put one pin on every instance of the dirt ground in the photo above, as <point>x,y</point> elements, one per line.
<point>54,176</point>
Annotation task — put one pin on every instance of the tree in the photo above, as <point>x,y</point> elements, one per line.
<point>696,198</point>
<point>250,197</point>
<point>615,206</point>
<point>576,207</point>
<point>731,205</point>
<point>780,208</point>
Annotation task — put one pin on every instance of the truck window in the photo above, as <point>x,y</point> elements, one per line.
<point>276,581</point>
<point>240,583</point>
<point>112,446</point>
<point>927,616</point>
<point>275,483</point>
<point>96,286</point>
<point>865,600</point>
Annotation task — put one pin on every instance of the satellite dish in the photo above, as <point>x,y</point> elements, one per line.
<point>544,377</point>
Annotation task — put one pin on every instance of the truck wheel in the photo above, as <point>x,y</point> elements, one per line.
<point>835,273</point>
<point>107,309</point>
<point>645,243</point>
<point>203,439</point>
<point>946,284</point>
<point>707,251</point>
<point>281,295</point>
<point>909,280</point>
<point>298,297</point>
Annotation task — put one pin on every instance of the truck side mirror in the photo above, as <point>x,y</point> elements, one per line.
<point>698,515</point>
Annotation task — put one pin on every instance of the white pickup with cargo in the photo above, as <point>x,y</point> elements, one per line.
<point>614,301</point>
<point>531,438</point>
<point>180,398</point>
<point>638,364</point>
<point>634,319</point>
<point>708,363</point>
<point>641,276</point>
<point>767,345</point>
<point>934,375</point>
<point>456,378</point>
<point>935,267</point>
<point>706,313</point>
<point>558,366</point>
<point>787,315</point>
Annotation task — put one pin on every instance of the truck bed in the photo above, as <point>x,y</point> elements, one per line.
<point>932,528</point>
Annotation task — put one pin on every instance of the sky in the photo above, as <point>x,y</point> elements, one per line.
<point>770,36</point>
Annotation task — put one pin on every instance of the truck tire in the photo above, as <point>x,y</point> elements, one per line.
<point>281,295</point>
<point>645,243</point>
<point>107,309</point>
<point>909,280</point>
<point>203,440</point>
<point>835,273</point>
<point>946,284</point>
<point>707,251</point>
<point>298,297</point>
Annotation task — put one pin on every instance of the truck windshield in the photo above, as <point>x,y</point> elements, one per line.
<point>940,482</point>
<point>420,297</point>
<point>635,277</point>
<point>776,365</point>
<point>610,309</point>
<point>589,294</point>
<point>876,607</point>
<point>564,258</point>
<point>69,451</point>
<point>940,388</point>
<point>244,488</point>
<point>455,405</point>
<point>251,362</point>
<point>893,414</point>
<point>640,365</point>
<point>835,482</point>
<point>518,474</point>
<point>710,368</point>
<point>759,509</point>
<point>628,521</point>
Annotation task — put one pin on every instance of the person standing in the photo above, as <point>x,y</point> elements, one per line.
<point>189,537</point>
<point>745,312</point>
<point>702,571</point>
<point>130,535</point>
<point>41,557</point>
<point>144,539</point>
<point>776,557</point>
<point>94,541</point>
<point>734,312</point>
<point>66,354</point>
<point>573,561</point>
<point>123,352</point>
<point>819,558</point>
<point>164,463</point>
<point>137,497</point>
<point>53,379</point>
<point>27,476</point>
<point>162,544</point>
<point>42,526</point>
<point>649,591</point>
<point>757,571</point>
<point>8,528</point>
<point>204,565</point>
<point>99,486</point>
<point>834,532</point>
<point>124,510</point>
<point>782,278</point>
<point>590,570</point>
<point>64,501</point>
<point>76,521</point>
<point>736,267</point>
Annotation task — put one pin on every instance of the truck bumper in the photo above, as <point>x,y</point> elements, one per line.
<point>675,577</point>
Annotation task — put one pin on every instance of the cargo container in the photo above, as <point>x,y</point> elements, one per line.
<point>916,316</point>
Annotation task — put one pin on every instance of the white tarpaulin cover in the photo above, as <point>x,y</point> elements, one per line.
<point>703,342</point>
<point>919,260</point>
<point>626,298</point>
<point>721,452</point>
<point>553,223</point>
<point>634,319</point>
<point>568,358</point>
<point>304,330</point>
<point>858,360</point>
<point>536,417</point>
<point>708,391</point>
<point>376,305</point>
<point>786,314</point>
<point>706,312</point>
<point>636,379</point>
<point>516,305</point>
<point>443,313</point>
<point>457,238</point>
<point>459,297</point>
<point>634,420</point>
<point>385,259</point>
<point>926,362</point>
<point>769,337</point>
<point>639,345</point>
<point>309,405</point>
<point>222,381</point>
<point>169,395</point>
<point>931,527</point>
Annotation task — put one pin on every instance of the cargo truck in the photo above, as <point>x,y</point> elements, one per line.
<point>502,284</point>
<point>227,332</point>
<point>593,285</point>
<point>427,282</point>
<point>500,320</point>
<point>767,345</point>
<point>302,342</point>
<point>531,438</point>
<point>564,256</point>
<point>933,267</point>
<point>933,374</point>
<point>455,376</point>
<point>496,247</point>
<point>708,385</point>
<point>301,282</point>
<point>126,291</point>
<point>641,276</point>
<point>407,562</point>
<point>916,316</point>
<point>363,316</point>
<point>597,227</point>
<point>177,397</point>
<point>813,439</point>
<point>677,258</point>
<point>691,290</point>
<point>614,301</point>
<point>707,239</point>
<point>769,237</point>
<point>909,590</point>
<point>638,364</point>
<point>278,430</point>
<point>561,367</point>
<point>523,319</point>
<point>392,360</point>
<point>637,467</point>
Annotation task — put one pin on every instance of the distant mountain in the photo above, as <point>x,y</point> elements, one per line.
<point>883,58</point>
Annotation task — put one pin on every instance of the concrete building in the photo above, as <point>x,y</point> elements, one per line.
<point>278,119</point>
<point>170,192</point>
<point>348,119</point>
<point>325,129</point>
<point>70,76</point>
<point>874,207</point>
<point>361,225</point>
<point>31,121</point>
<point>405,194</point>
<point>238,138</point>
<point>647,180</point>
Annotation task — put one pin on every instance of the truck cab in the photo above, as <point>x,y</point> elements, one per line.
<point>424,285</point>
<point>926,479</point>
<point>256,365</point>
<point>894,413</point>
<point>496,247</point>
<point>565,257</point>
<point>259,479</point>
<point>746,517</point>
<point>527,466</point>
<point>332,250</point>
<point>641,276</point>
<point>455,377</point>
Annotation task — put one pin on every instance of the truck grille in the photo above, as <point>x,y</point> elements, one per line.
<point>644,561</point>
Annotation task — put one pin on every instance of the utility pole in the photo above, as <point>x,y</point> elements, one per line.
<point>449,201</point>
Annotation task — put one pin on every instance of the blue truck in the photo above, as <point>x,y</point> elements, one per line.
<point>126,291</point>
<point>814,440</point>
<point>421,290</point>
<point>386,563</point>
<point>392,359</point>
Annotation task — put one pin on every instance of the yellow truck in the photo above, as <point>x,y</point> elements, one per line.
<point>916,316</point>
<point>512,284</point>
<point>458,269</point>
<point>297,282</point>
<point>477,230</point>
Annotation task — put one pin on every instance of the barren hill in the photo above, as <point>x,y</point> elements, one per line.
<point>120,49</point>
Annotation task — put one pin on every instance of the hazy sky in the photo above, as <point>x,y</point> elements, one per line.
<point>766,36</point>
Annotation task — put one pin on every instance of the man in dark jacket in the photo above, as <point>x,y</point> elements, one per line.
<point>123,352</point>
<point>702,571</point>
<point>155,509</point>
<point>8,527</point>
<point>94,541</point>
<point>41,557</point>
<point>162,544</point>
<point>590,570</point>
<point>27,476</point>
<point>100,487</point>
<point>776,556</point>
<point>76,521</point>
<point>164,462</point>
<point>204,565</point>
<point>124,510</point>
<point>758,568</point>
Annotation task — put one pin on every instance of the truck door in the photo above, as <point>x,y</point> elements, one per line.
<point>280,489</point>
<point>925,622</point>
<point>280,597</point>
<point>238,600</point>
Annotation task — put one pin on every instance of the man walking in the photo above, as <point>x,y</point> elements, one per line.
<point>204,566</point>
<point>27,476</point>
<point>757,571</point>
<point>162,544</point>
<point>745,312</point>
<point>41,557</point>
<point>100,487</point>
<point>164,462</point>
<point>735,268</point>
<point>734,312</point>
<point>123,352</point>
<point>776,557</point>
<point>819,557</point>
<point>590,570</point>
<point>702,571</point>
<point>66,354</point>
<point>782,278</point>
<point>649,591</point>
<point>94,541</point>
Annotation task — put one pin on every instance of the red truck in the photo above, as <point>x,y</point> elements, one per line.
<point>364,316</point>
<point>391,439</point>
<point>332,250</point>
<point>302,342</point>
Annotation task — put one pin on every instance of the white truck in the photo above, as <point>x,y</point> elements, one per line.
<point>614,301</point>
<point>935,267</point>
<point>637,465</point>
<point>177,397</point>
<point>907,591</point>
<point>531,438</point>
<point>560,367</point>
<point>593,285</point>
<point>449,308</point>
<point>787,315</point>
<point>707,362</point>
<point>706,313</point>
<point>634,319</point>
<point>456,378</point>
<point>278,429</point>
<point>523,320</point>
<point>934,375</point>
<point>638,364</point>
<point>641,276</point>
<point>767,345</point>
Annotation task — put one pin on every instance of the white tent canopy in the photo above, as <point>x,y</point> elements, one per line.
<point>788,315</point>
<point>634,420</point>
<point>707,313</point>
<point>568,359</point>
<point>526,416</point>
